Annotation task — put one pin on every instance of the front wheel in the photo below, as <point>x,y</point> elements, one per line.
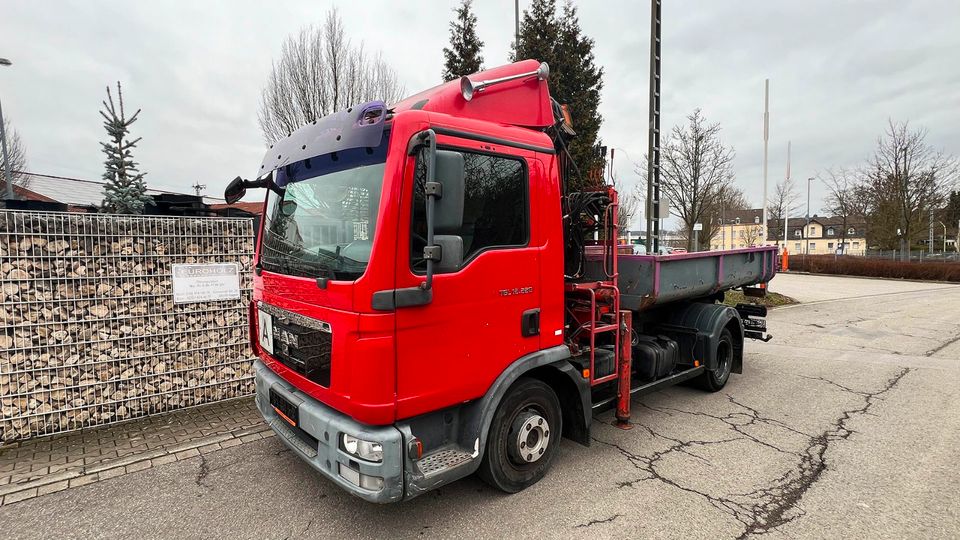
<point>713,381</point>
<point>523,437</point>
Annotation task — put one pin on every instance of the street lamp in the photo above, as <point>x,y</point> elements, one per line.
<point>8,180</point>
<point>806,232</point>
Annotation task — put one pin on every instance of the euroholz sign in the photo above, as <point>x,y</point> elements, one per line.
<point>205,282</point>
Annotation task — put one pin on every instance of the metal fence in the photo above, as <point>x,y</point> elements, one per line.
<point>917,256</point>
<point>89,332</point>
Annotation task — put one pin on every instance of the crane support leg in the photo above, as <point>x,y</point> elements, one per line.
<point>624,368</point>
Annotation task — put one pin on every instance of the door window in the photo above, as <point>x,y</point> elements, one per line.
<point>495,207</point>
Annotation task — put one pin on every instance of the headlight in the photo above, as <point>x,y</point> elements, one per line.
<point>368,450</point>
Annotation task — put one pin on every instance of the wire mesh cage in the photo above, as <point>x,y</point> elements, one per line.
<point>89,331</point>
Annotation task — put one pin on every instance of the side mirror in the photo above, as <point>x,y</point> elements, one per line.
<point>237,187</point>
<point>451,252</point>
<point>443,188</point>
<point>235,190</point>
<point>448,212</point>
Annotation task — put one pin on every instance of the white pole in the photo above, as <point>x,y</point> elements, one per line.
<point>516,12</point>
<point>786,210</point>
<point>806,247</point>
<point>766,136</point>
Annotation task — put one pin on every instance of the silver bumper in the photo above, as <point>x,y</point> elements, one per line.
<point>321,449</point>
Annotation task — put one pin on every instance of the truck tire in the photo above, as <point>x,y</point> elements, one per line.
<point>713,381</point>
<point>524,436</point>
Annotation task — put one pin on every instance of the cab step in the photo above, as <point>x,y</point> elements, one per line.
<point>443,460</point>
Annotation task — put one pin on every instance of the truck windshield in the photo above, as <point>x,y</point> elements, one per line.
<point>322,223</point>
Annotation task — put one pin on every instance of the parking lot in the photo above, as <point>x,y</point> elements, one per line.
<point>846,424</point>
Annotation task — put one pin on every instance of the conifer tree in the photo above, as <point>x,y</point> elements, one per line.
<point>575,79</point>
<point>125,190</point>
<point>463,56</point>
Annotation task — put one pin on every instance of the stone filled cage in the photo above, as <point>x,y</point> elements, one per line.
<point>89,332</point>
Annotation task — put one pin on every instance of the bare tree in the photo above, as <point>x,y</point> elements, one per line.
<point>17,155</point>
<point>629,199</point>
<point>629,205</point>
<point>696,169</point>
<point>783,203</point>
<point>730,199</point>
<point>751,235</point>
<point>321,71</point>
<point>906,177</point>
<point>844,199</point>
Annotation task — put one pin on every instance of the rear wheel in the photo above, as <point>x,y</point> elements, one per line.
<point>715,380</point>
<point>523,437</point>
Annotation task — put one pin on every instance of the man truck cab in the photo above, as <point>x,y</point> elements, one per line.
<point>410,309</point>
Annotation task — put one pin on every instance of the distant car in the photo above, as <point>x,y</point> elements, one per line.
<point>640,249</point>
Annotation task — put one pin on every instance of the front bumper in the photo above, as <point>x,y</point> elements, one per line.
<point>324,427</point>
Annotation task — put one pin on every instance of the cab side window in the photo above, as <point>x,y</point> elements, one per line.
<point>495,207</point>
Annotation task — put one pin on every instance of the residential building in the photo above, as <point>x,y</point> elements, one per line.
<point>823,236</point>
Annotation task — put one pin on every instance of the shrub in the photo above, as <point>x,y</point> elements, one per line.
<point>858,266</point>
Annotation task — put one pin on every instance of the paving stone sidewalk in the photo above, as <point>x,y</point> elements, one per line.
<point>49,464</point>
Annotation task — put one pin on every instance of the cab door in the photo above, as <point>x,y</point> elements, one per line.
<point>484,314</point>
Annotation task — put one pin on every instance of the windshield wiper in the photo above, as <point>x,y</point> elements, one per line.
<point>335,255</point>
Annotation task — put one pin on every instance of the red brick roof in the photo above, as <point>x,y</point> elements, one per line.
<point>24,193</point>
<point>252,207</point>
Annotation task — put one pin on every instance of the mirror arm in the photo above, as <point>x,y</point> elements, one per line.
<point>429,138</point>
<point>244,185</point>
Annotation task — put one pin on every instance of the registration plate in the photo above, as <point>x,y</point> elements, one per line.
<point>284,409</point>
<point>265,331</point>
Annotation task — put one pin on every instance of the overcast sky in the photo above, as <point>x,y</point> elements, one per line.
<point>838,70</point>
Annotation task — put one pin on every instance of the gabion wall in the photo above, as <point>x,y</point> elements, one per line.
<point>89,332</point>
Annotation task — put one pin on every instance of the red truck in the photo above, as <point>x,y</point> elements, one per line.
<point>424,305</point>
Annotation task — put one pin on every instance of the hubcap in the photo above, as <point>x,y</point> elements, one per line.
<point>532,437</point>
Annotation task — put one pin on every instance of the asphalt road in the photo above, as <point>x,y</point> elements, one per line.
<point>846,425</point>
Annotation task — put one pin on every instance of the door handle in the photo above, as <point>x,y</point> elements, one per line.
<point>530,323</point>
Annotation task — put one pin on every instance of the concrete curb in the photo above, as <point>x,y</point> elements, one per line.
<point>81,476</point>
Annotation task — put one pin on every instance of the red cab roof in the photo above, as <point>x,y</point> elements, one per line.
<point>521,102</point>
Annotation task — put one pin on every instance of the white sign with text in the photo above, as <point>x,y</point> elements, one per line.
<point>205,282</point>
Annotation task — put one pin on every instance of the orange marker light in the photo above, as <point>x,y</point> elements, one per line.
<point>696,363</point>
<point>586,374</point>
<point>419,447</point>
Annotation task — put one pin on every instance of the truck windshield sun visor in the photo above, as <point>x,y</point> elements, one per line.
<point>331,163</point>
<point>321,221</point>
<point>361,126</point>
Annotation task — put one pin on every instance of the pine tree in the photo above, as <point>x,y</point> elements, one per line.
<point>125,190</point>
<point>463,56</point>
<point>575,79</point>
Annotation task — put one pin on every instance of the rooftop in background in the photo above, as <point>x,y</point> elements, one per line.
<point>753,216</point>
<point>251,207</point>
<point>64,194</point>
<point>76,191</point>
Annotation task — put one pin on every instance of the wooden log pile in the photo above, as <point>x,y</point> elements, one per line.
<point>89,332</point>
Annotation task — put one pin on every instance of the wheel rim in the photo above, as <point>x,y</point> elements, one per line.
<point>529,437</point>
<point>724,361</point>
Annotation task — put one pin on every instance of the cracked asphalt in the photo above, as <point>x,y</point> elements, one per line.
<point>846,424</point>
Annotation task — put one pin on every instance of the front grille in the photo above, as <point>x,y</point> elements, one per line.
<point>302,344</point>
